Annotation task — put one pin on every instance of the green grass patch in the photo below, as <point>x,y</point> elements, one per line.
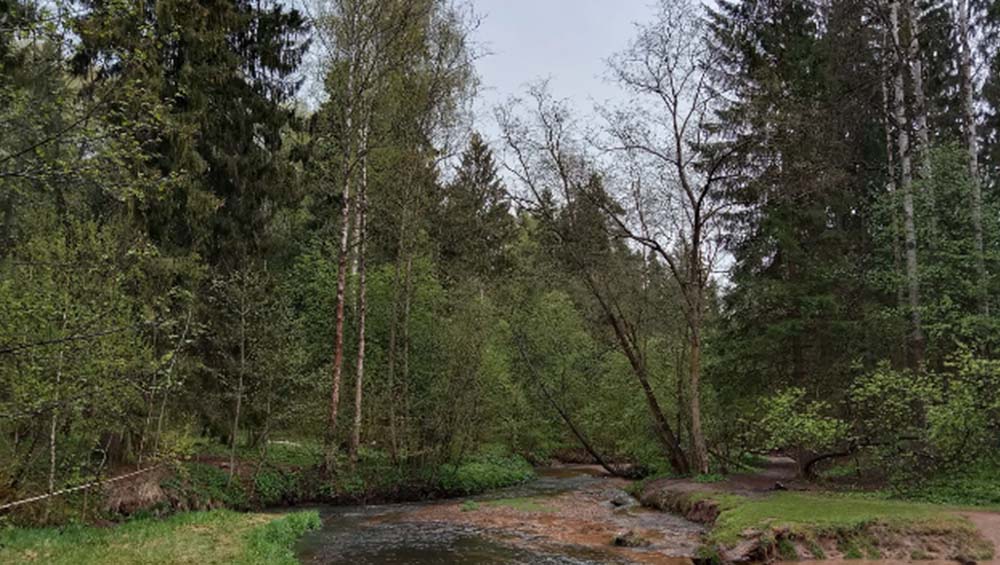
<point>469,506</point>
<point>809,515</point>
<point>521,504</point>
<point>216,537</point>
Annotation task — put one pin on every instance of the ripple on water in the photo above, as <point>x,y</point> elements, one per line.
<point>399,534</point>
<point>398,543</point>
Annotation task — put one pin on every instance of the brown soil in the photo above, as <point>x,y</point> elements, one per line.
<point>779,473</point>
<point>988,524</point>
<point>137,493</point>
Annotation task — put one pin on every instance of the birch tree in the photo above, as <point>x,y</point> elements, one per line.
<point>903,127</point>
<point>972,144</point>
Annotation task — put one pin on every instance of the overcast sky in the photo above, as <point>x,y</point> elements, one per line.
<point>566,41</point>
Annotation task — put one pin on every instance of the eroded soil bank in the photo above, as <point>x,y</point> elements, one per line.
<point>769,516</point>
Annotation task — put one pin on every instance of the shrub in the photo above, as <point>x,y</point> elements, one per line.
<point>485,472</point>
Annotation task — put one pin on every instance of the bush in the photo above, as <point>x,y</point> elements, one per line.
<point>274,486</point>
<point>206,486</point>
<point>485,472</point>
<point>793,424</point>
<point>976,486</point>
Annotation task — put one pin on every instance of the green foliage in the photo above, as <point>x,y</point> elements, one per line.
<point>974,485</point>
<point>274,486</point>
<point>793,423</point>
<point>206,486</point>
<point>485,472</point>
<point>943,419</point>
<point>272,543</point>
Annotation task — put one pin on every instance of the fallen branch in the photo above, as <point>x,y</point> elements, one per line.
<point>46,496</point>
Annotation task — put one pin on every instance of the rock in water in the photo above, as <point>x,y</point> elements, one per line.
<point>622,498</point>
<point>629,539</point>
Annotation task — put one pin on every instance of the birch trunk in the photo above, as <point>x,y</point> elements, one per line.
<point>972,146</point>
<point>242,374</point>
<point>361,220</point>
<point>922,149</point>
<point>330,440</point>
<point>906,186</point>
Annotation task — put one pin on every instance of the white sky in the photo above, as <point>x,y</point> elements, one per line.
<point>565,41</point>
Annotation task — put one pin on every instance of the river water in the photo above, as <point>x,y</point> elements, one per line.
<point>568,515</point>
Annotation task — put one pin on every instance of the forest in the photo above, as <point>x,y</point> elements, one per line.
<point>267,252</point>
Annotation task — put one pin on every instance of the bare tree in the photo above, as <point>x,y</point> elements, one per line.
<point>664,136</point>
<point>546,159</point>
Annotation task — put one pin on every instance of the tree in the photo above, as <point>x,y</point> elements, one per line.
<point>972,145</point>
<point>475,227</point>
<point>672,206</point>
<point>903,126</point>
<point>549,164</point>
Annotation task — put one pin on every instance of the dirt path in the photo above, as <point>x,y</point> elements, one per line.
<point>778,473</point>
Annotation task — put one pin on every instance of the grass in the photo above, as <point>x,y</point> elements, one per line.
<point>216,537</point>
<point>812,514</point>
<point>521,504</point>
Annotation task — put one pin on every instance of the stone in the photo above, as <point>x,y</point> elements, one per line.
<point>629,538</point>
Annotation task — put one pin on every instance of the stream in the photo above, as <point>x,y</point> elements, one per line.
<point>567,515</point>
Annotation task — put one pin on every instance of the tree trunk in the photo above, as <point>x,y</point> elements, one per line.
<point>891,189</point>
<point>404,325</point>
<point>330,439</point>
<point>397,286</point>
<point>242,373</point>
<point>53,426</point>
<point>972,146</point>
<point>362,303</point>
<point>668,439</point>
<point>909,225</point>
<point>699,451</point>
<point>922,149</point>
<point>577,433</point>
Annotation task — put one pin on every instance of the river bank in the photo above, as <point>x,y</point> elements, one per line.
<point>568,514</point>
